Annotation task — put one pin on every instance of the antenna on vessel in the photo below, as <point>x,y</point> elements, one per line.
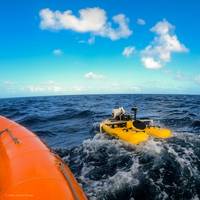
<point>134,109</point>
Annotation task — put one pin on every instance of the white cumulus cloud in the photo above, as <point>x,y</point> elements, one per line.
<point>91,40</point>
<point>90,20</point>
<point>151,63</point>
<point>141,21</point>
<point>159,51</point>
<point>57,52</point>
<point>49,86</point>
<point>128,51</point>
<point>92,75</point>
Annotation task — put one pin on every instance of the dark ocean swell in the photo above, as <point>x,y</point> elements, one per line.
<point>111,169</point>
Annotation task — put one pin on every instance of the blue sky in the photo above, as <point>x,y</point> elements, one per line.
<point>52,47</point>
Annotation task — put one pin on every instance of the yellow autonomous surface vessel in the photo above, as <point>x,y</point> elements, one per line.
<point>132,130</point>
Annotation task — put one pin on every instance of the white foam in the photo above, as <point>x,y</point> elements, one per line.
<point>182,152</point>
<point>151,147</point>
<point>163,195</point>
<point>120,178</point>
<point>195,197</point>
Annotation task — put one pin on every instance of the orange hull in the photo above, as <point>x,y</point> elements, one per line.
<point>29,170</point>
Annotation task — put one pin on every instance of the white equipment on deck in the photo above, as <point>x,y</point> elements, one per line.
<point>118,112</point>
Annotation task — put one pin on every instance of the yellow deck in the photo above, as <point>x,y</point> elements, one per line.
<point>133,135</point>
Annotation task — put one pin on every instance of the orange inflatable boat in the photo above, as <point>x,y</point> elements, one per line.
<point>29,170</point>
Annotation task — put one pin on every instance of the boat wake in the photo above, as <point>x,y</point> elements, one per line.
<point>111,169</point>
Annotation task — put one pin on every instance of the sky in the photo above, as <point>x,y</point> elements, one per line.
<point>60,47</point>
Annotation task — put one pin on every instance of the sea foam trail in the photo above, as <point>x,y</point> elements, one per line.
<point>111,169</point>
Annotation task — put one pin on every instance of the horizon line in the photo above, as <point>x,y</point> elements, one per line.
<point>91,94</point>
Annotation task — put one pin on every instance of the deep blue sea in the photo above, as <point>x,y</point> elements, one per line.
<point>109,169</point>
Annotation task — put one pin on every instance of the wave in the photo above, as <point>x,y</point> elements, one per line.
<point>196,124</point>
<point>31,120</point>
<point>110,169</point>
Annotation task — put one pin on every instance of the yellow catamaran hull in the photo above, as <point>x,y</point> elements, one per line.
<point>127,132</point>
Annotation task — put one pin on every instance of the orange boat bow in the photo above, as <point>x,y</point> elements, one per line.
<point>29,170</point>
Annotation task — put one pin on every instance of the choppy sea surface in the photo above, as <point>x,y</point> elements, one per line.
<point>109,169</point>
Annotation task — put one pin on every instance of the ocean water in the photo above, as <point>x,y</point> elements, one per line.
<point>109,169</point>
